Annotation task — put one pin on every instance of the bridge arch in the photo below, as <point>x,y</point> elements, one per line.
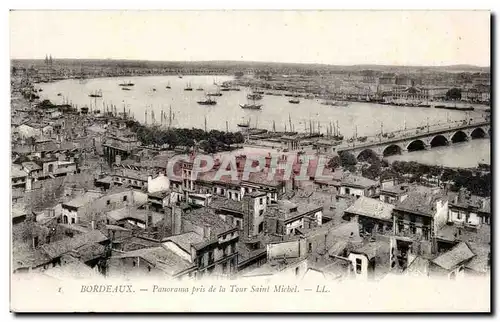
<point>459,136</point>
<point>438,140</point>
<point>392,149</point>
<point>366,154</point>
<point>478,133</point>
<point>415,145</point>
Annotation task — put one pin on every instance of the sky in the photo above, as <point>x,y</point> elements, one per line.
<point>417,38</point>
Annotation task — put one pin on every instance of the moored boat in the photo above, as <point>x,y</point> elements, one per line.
<point>127,84</point>
<point>207,101</point>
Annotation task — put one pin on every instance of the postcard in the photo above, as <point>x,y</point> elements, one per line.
<point>250,161</point>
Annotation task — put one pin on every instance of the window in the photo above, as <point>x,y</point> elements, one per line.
<point>124,198</point>
<point>296,271</point>
<point>72,220</point>
<point>459,216</point>
<point>401,226</point>
<point>261,201</point>
<point>108,202</point>
<point>425,233</point>
<point>310,247</point>
<point>224,251</point>
<point>413,229</point>
<point>347,191</point>
<point>224,268</point>
<point>35,241</point>
<point>149,268</point>
<point>47,239</point>
<point>358,265</point>
<point>210,257</point>
<point>261,227</point>
<point>261,212</point>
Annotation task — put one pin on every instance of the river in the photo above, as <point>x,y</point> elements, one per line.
<point>150,93</point>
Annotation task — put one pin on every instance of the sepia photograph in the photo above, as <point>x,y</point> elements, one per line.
<point>250,161</point>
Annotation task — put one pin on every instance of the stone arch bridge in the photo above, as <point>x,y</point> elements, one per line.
<point>422,140</point>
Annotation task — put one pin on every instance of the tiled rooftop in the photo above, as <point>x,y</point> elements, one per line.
<point>66,245</point>
<point>185,240</point>
<point>455,256</point>
<point>370,207</point>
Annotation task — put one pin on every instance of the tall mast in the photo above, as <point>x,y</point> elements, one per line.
<point>170,117</point>
<point>290,121</point>
<point>227,127</point>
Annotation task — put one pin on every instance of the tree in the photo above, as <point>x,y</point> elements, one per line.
<point>333,162</point>
<point>454,94</point>
<point>347,160</point>
<point>372,172</point>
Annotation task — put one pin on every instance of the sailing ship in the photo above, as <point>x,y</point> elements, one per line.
<point>168,86</point>
<point>125,89</point>
<point>252,106</point>
<point>188,87</point>
<point>244,125</point>
<point>207,101</point>
<point>254,96</point>
<point>128,84</point>
<point>294,101</point>
<point>96,94</point>
<point>335,103</point>
<point>199,88</point>
<point>218,93</point>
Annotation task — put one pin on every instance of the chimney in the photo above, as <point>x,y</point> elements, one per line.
<point>149,222</point>
<point>248,215</point>
<point>176,219</point>
<point>92,224</point>
<point>206,231</point>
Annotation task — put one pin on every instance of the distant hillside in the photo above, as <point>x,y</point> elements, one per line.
<point>234,65</point>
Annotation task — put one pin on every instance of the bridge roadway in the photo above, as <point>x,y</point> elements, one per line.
<point>420,139</point>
